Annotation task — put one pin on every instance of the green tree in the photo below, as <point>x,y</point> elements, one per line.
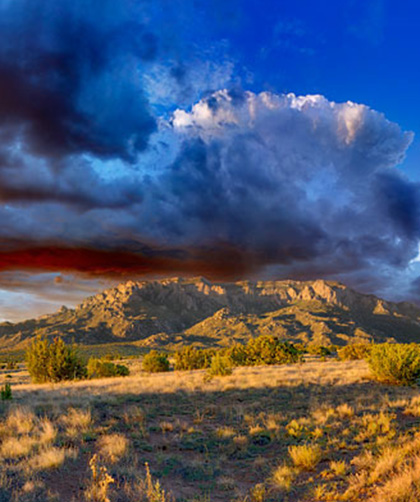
<point>155,362</point>
<point>101,368</point>
<point>221,365</point>
<point>53,361</point>
<point>267,349</point>
<point>191,358</point>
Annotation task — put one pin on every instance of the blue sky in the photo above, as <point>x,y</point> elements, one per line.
<point>154,138</point>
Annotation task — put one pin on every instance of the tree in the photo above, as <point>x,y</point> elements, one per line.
<point>53,362</point>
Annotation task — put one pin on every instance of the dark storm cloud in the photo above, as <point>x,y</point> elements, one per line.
<point>272,184</point>
<point>68,83</point>
<point>77,184</point>
<point>400,199</point>
<point>304,186</point>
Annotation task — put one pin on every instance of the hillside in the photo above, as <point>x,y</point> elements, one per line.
<point>170,312</point>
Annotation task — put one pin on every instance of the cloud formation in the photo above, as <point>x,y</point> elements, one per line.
<point>66,80</point>
<point>109,170</point>
<point>260,184</point>
<point>301,182</point>
<point>100,174</point>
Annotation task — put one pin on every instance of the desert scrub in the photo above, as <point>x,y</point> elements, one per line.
<point>395,363</point>
<point>354,351</point>
<point>237,354</point>
<point>220,366</point>
<point>53,362</point>
<point>155,362</point>
<point>101,368</point>
<point>190,358</point>
<point>268,349</point>
<point>318,350</point>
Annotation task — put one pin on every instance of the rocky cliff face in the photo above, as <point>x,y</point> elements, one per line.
<point>199,311</point>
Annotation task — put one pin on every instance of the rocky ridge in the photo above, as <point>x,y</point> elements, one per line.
<point>175,311</point>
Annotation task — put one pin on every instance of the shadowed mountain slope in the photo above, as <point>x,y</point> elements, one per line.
<point>174,311</point>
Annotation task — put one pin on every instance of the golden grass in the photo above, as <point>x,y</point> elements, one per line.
<point>246,378</point>
<point>339,467</point>
<point>402,487</point>
<point>306,456</point>
<point>17,447</point>
<point>47,431</point>
<point>77,421</point>
<point>51,458</point>
<point>112,447</point>
<point>260,434</point>
<point>282,477</point>
<point>20,420</point>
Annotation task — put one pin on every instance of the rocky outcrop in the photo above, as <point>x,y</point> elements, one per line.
<point>199,311</point>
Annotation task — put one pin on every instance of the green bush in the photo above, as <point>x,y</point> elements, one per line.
<point>103,368</point>
<point>354,351</point>
<point>237,354</point>
<point>155,362</point>
<point>53,362</point>
<point>395,363</point>
<point>268,349</point>
<point>221,365</point>
<point>319,350</point>
<point>6,392</point>
<point>190,358</point>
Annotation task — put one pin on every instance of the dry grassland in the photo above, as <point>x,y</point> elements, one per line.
<point>318,431</point>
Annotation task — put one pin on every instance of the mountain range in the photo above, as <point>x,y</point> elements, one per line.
<point>170,312</point>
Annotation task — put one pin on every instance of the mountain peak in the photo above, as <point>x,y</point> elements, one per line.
<point>196,310</point>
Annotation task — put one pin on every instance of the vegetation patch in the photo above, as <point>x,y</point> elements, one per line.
<point>395,363</point>
<point>53,361</point>
<point>155,362</point>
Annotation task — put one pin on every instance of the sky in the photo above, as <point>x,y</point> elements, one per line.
<point>230,140</point>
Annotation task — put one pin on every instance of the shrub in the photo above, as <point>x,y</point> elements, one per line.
<point>268,349</point>
<point>101,368</point>
<point>395,363</point>
<point>53,362</point>
<point>6,392</point>
<point>319,350</point>
<point>354,351</point>
<point>155,362</point>
<point>237,354</point>
<point>220,366</point>
<point>190,358</point>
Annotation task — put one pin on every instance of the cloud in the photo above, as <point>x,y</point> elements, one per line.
<point>80,88</point>
<point>242,185</point>
<point>66,79</point>
<point>301,183</point>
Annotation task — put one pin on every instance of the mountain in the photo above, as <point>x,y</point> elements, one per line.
<point>170,312</point>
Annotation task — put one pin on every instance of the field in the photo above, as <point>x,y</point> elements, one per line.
<point>317,431</point>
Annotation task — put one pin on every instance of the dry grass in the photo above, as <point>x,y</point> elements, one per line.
<point>77,421</point>
<point>282,477</point>
<point>317,431</point>
<point>112,447</point>
<point>17,447</point>
<point>51,458</point>
<point>305,457</point>
<point>20,420</point>
<point>244,378</point>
